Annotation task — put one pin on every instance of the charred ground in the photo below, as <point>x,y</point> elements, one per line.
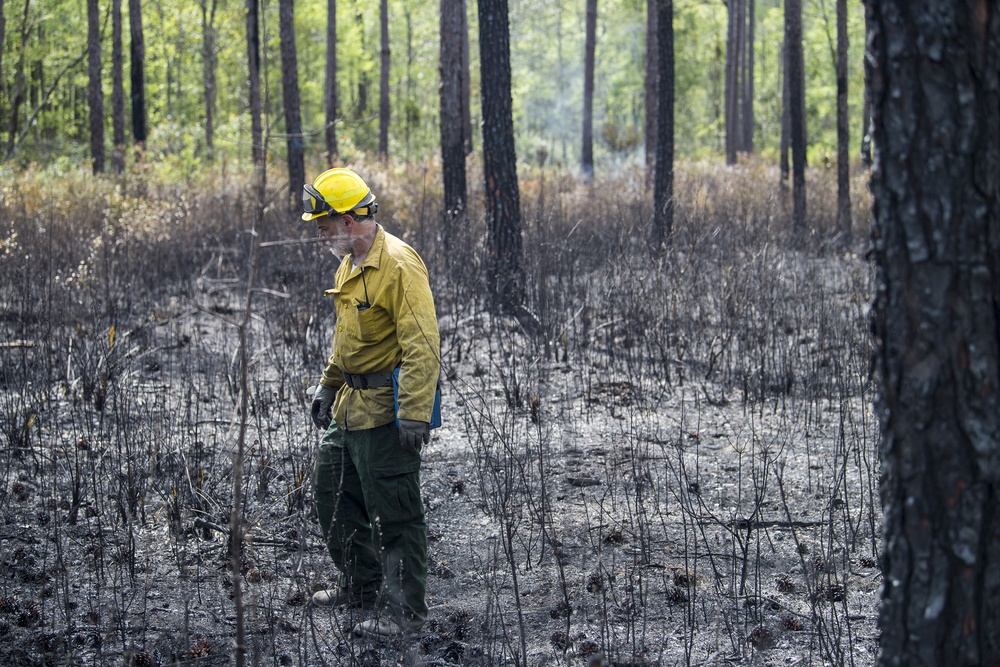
<point>678,467</point>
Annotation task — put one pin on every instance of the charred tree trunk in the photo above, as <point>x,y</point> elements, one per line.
<point>663,189</point>
<point>732,86</point>
<point>452,120</point>
<point>651,93</point>
<point>290,97</point>
<point>936,324</point>
<point>503,206</point>
<point>843,138</point>
<point>796,112</point>
<point>466,83</point>
<point>117,90</point>
<point>330,91</point>
<point>383,84</point>
<point>140,129</point>
<point>95,97</point>
<point>786,130</point>
<point>362,101</point>
<point>209,62</point>
<point>590,46</point>
<point>253,60</point>
<point>747,78</point>
<point>866,126</point>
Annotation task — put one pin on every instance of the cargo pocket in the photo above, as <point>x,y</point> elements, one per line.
<point>401,500</point>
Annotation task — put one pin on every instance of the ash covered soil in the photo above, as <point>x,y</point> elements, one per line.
<point>583,504</point>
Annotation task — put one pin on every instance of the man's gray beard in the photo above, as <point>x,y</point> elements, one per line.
<point>338,255</point>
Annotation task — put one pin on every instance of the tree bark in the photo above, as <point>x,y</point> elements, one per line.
<point>362,101</point>
<point>731,87</point>
<point>786,130</point>
<point>866,127</point>
<point>17,94</point>
<point>290,97</point>
<point>117,90</point>
<point>37,72</point>
<point>651,93</point>
<point>466,83</point>
<point>590,46</point>
<point>3,34</point>
<point>843,137</point>
<point>209,63</point>
<point>663,189</point>
<point>934,70</point>
<point>95,96</point>
<point>452,118</point>
<point>383,86</point>
<point>503,207</point>
<point>796,112</point>
<point>330,100</point>
<point>253,61</point>
<point>866,113</point>
<point>747,88</point>
<point>140,129</point>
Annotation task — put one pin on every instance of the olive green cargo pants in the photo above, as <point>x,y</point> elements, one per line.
<point>368,500</point>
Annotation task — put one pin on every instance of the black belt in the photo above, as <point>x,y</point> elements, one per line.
<point>368,380</point>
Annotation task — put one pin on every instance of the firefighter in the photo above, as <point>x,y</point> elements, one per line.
<point>367,471</point>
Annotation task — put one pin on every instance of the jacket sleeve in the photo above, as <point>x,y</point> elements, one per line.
<point>419,340</point>
<point>332,375</point>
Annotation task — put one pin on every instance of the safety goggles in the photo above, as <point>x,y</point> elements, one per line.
<point>313,202</point>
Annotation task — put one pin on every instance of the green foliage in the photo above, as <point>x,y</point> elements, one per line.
<point>547,77</point>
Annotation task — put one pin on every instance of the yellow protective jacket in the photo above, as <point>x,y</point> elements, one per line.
<point>397,328</point>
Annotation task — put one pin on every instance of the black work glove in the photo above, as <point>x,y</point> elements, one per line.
<point>321,405</point>
<point>413,434</point>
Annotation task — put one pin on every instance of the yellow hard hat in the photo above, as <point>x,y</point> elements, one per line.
<point>337,190</point>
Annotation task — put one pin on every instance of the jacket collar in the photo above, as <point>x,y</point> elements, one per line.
<point>374,256</point>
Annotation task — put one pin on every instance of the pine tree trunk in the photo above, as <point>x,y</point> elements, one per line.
<point>503,207</point>
<point>746,112</point>
<point>95,97</point>
<point>663,189</point>
<point>652,96</point>
<point>253,61</point>
<point>796,112</point>
<point>383,87</point>
<point>466,83</point>
<point>590,46</point>
<point>843,138</point>
<point>731,86</point>
<point>866,126</point>
<point>3,34</point>
<point>209,61</point>
<point>330,100</point>
<point>362,102</point>
<point>117,89</point>
<point>786,129</point>
<point>936,324</point>
<point>290,97</point>
<point>140,129</point>
<point>17,94</point>
<point>452,120</point>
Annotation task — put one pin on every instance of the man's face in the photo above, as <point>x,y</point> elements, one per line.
<point>337,230</point>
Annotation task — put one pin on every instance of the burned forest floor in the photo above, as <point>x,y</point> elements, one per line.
<point>670,458</point>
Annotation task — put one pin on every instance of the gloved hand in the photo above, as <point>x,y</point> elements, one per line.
<point>322,402</point>
<point>413,434</point>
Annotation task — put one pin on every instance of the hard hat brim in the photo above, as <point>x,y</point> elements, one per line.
<point>313,216</point>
